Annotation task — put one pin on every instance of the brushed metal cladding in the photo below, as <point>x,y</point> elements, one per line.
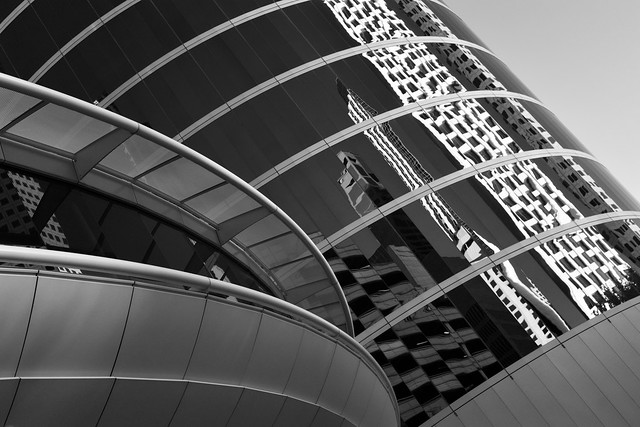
<point>101,351</point>
<point>588,378</point>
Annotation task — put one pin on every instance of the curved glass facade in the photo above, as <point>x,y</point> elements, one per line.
<point>466,226</point>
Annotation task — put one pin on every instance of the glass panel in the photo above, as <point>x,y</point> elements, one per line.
<point>319,27</point>
<point>277,41</point>
<point>78,14</point>
<point>140,105</point>
<point>262,230</point>
<point>142,34</point>
<point>180,179</point>
<point>98,75</point>
<point>61,128</point>
<point>453,23</point>
<point>314,200</point>
<point>556,134</point>
<point>183,90</point>
<point>478,226</point>
<point>280,250</point>
<point>412,152</point>
<point>230,63</point>
<point>13,104</point>
<point>190,17</point>
<point>272,118</point>
<point>223,203</point>
<point>39,44</point>
<point>136,155</point>
<point>300,272</point>
<point>500,71</point>
<point>600,185</point>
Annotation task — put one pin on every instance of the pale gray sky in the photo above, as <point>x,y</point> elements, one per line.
<point>581,58</point>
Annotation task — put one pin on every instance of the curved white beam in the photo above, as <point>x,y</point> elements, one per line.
<point>483,265</point>
<point>382,118</point>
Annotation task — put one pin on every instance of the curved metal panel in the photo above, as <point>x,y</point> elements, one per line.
<point>224,345</point>
<point>201,400</point>
<point>64,402</point>
<point>274,354</point>
<point>256,409</point>
<point>583,379</point>
<point>132,400</point>
<point>311,367</point>
<point>75,328</point>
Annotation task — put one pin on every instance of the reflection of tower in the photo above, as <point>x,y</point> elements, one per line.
<point>365,191</point>
<point>23,195</point>
<point>584,262</point>
<point>624,236</point>
<point>401,238</point>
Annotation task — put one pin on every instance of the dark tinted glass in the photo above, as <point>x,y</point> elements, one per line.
<point>8,6</point>
<point>230,63</point>
<point>277,42</point>
<point>100,75</point>
<point>184,90</point>
<point>319,27</point>
<point>39,43</point>
<point>45,213</point>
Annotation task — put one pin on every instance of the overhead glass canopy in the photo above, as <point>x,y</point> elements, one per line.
<point>55,134</point>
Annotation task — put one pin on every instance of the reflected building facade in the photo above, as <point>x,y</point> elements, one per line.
<point>467,228</point>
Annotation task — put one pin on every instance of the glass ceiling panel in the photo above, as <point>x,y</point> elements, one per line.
<point>135,156</point>
<point>61,128</point>
<point>262,230</point>
<point>181,179</point>
<point>13,104</point>
<point>280,250</point>
<point>223,203</point>
<point>300,272</point>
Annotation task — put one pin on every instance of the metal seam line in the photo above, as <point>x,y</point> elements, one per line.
<point>182,150</point>
<point>535,354</point>
<point>305,68</point>
<point>382,118</point>
<point>484,265</point>
<point>14,14</point>
<point>441,183</point>
<point>92,28</point>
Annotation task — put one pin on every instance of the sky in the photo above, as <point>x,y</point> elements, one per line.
<point>581,59</point>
